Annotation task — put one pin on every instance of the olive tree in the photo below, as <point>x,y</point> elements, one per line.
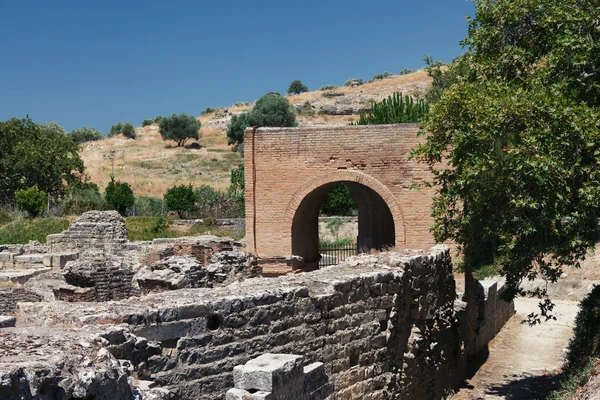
<point>179,127</point>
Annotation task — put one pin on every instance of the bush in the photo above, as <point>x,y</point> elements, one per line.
<point>393,110</point>
<point>339,202</point>
<point>82,198</point>
<point>150,206</point>
<point>209,110</point>
<point>356,81</point>
<point>125,128</point>
<point>241,104</point>
<point>380,76</point>
<point>21,231</point>
<point>119,196</point>
<point>31,200</point>
<point>216,204</point>
<point>4,217</point>
<point>179,128</point>
<point>180,199</point>
<point>328,87</point>
<point>147,122</point>
<point>235,129</point>
<point>296,87</point>
<point>406,71</point>
<point>86,134</point>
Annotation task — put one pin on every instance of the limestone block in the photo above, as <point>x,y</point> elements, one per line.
<point>7,321</point>
<point>267,372</point>
<point>490,300</point>
<point>241,394</point>
<point>59,260</point>
<point>29,259</point>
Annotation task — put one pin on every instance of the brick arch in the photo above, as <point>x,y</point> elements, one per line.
<point>349,176</point>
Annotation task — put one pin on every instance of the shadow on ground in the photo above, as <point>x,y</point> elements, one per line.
<point>525,387</point>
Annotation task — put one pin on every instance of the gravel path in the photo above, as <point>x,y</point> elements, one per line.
<point>523,361</point>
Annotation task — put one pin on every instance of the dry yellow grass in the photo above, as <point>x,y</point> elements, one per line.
<point>151,165</point>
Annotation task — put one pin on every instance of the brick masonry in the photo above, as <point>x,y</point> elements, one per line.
<point>284,165</point>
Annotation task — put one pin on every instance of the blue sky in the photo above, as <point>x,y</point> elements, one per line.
<point>95,63</point>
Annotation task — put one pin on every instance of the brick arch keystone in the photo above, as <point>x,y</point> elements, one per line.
<point>350,176</point>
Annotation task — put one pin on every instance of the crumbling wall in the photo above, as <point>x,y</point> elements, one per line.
<point>10,296</point>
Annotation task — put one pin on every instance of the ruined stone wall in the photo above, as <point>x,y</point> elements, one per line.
<point>284,165</point>
<point>381,325</point>
<point>9,297</point>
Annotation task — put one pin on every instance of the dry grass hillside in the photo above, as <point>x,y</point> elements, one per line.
<point>151,165</point>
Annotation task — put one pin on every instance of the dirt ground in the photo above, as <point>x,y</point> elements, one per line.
<point>522,362</point>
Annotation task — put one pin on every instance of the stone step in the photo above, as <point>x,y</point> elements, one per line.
<point>29,259</point>
<point>20,275</point>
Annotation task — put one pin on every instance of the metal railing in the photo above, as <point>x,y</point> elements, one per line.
<point>334,253</point>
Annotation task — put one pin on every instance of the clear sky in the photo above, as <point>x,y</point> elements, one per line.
<point>95,63</point>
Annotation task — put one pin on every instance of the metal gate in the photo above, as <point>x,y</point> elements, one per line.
<point>334,253</point>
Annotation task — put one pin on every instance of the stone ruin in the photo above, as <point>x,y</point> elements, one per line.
<point>91,315</point>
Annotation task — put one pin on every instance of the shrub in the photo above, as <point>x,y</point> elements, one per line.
<point>82,198</point>
<point>150,206</point>
<point>86,134</point>
<point>328,87</point>
<point>380,76</point>
<point>4,217</point>
<point>406,71</point>
<point>241,104</point>
<point>21,231</point>
<point>31,200</point>
<point>209,110</point>
<point>147,122</point>
<point>339,201</point>
<point>296,87</point>
<point>216,204</point>
<point>119,196</point>
<point>124,128</point>
<point>179,128</point>
<point>180,199</point>
<point>356,81</point>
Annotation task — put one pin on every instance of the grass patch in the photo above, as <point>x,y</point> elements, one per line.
<point>571,383</point>
<point>186,157</point>
<point>218,151</point>
<point>338,242</point>
<point>22,230</point>
<point>150,228</point>
<point>147,164</point>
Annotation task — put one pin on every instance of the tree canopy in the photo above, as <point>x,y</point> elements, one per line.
<point>269,110</point>
<point>297,87</point>
<point>35,155</point>
<point>180,128</point>
<point>517,122</point>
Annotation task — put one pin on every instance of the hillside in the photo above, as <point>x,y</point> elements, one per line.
<point>151,166</point>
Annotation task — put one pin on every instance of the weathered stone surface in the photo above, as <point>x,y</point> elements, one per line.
<point>10,296</point>
<point>59,260</point>
<point>7,321</point>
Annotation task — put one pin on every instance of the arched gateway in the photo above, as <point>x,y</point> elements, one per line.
<point>289,171</point>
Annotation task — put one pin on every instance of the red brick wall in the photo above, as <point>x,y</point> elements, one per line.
<point>283,165</point>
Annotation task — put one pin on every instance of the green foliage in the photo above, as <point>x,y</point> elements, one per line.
<point>160,225</point>
<point>356,81</point>
<point>209,110</point>
<point>236,189</point>
<point>296,87</point>
<point>216,204</point>
<point>180,128</point>
<point>119,196</point>
<point>339,202</point>
<point>4,217</point>
<point>393,110</point>
<point>125,128</point>
<point>406,71</point>
<point>150,121</point>
<point>34,155</point>
<point>149,228</point>
<point>181,199</point>
<point>380,76</point>
<point>241,104</point>
<point>147,122</point>
<point>81,198</point>
<point>21,231</point>
<point>514,142</point>
<point>31,200</point>
<point>150,206</point>
<point>334,226</point>
<point>267,111</point>
<point>86,134</point>
<point>333,244</point>
<point>328,87</point>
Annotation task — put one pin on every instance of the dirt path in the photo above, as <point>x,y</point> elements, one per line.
<point>522,360</point>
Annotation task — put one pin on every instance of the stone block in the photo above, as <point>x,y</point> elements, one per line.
<point>268,372</point>
<point>489,303</point>
<point>7,258</point>
<point>59,260</point>
<point>7,321</point>
<point>241,394</point>
<point>29,259</point>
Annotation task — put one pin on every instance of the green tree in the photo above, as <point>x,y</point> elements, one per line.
<point>339,202</point>
<point>125,128</point>
<point>179,128</point>
<point>296,87</point>
<point>514,141</point>
<point>119,196</point>
<point>31,200</point>
<point>269,110</point>
<point>181,199</point>
<point>86,134</point>
<point>31,155</point>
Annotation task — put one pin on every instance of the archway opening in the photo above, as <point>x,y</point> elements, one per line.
<point>376,228</point>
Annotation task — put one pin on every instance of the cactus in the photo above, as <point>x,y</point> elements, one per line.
<point>393,110</point>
